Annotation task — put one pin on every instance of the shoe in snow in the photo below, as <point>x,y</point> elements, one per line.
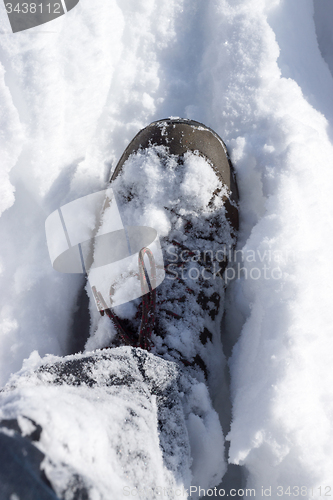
<point>176,177</point>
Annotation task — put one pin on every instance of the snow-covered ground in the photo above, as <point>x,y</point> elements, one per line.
<point>73,94</point>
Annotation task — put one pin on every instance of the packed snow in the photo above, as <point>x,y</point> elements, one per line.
<point>73,94</point>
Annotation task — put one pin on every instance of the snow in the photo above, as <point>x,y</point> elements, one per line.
<point>259,72</point>
<point>117,403</point>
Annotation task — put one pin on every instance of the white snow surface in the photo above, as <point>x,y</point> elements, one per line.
<point>73,94</point>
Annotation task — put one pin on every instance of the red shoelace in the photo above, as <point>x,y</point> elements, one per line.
<point>143,340</point>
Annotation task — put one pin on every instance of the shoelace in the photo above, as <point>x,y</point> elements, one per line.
<point>143,340</point>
